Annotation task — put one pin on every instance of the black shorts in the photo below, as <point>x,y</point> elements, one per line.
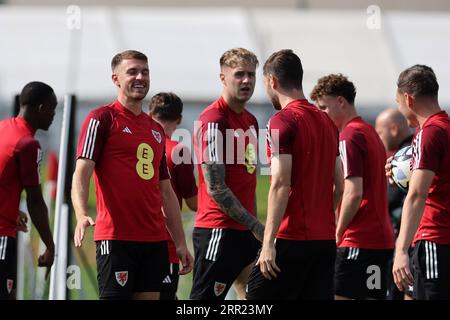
<point>220,256</point>
<point>170,283</point>
<point>431,271</point>
<point>362,273</point>
<point>307,269</point>
<point>8,267</point>
<point>126,267</point>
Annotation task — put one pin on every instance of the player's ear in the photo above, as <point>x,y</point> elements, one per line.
<point>222,78</point>
<point>40,107</point>
<point>273,82</point>
<point>410,100</point>
<point>115,79</point>
<point>341,101</point>
<point>179,120</point>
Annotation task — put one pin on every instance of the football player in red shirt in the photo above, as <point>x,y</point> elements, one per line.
<point>298,251</point>
<point>225,142</point>
<point>125,150</point>
<point>20,158</point>
<point>166,108</point>
<point>426,210</point>
<point>364,233</point>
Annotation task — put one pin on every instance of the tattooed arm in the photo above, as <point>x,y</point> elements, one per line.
<point>214,175</point>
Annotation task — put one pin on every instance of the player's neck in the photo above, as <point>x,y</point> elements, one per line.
<point>352,114</point>
<point>287,97</point>
<point>135,106</point>
<point>28,118</point>
<point>168,128</point>
<point>234,104</point>
<point>426,111</point>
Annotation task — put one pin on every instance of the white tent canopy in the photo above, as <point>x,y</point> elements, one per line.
<point>184,46</point>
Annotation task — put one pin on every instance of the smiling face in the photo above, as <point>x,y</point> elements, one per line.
<point>239,82</point>
<point>132,77</point>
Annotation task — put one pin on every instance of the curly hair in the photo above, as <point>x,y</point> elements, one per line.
<point>334,85</point>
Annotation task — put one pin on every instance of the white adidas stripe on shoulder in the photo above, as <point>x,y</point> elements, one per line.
<point>343,155</point>
<point>417,149</point>
<point>89,142</point>
<point>213,127</point>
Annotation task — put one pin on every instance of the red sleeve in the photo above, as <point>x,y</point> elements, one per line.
<point>93,134</point>
<point>280,134</point>
<point>210,138</point>
<point>163,169</point>
<point>352,148</point>
<point>430,145</point>
<point>184,178</point>
<point>30,157</point>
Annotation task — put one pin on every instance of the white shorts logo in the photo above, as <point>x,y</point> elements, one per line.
<point>122,277</point>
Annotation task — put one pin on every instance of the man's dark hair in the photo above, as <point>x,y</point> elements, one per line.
<point>286,66</point>
<point>128,54</point>
<point>35,93</point>
<point>166,106</point>
<point>334,85</point>
<point>418,81</point>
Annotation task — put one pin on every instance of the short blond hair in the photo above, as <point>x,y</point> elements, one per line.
<point>238,56</point>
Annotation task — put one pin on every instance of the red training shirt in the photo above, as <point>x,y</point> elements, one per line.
<point>224,136</point>
<point>363,155</point>
<point>129,155</point>
<point>310,136</point>
<point>431,151</point>
<point>20,158</point>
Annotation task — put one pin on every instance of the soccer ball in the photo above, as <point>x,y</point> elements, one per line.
<point>402,168</point>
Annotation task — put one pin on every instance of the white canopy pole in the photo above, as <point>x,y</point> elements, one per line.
<point>60,248</point>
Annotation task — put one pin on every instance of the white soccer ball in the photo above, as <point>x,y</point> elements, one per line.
<point>402,168</point>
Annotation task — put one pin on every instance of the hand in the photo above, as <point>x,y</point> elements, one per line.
<point>186,259</point>
<point>80,229</point>
<point>388,169</point>
<point>46,260</point>
<point>21,222</point>
<point>400,270</point>
<point>266,262</point>
<point>338,237</point>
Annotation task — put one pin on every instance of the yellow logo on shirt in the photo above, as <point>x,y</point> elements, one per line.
<point>144,166</point>
<point>250,158</point>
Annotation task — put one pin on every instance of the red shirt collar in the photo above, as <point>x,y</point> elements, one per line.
<point>120,107</point>
<point>440,114</point>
